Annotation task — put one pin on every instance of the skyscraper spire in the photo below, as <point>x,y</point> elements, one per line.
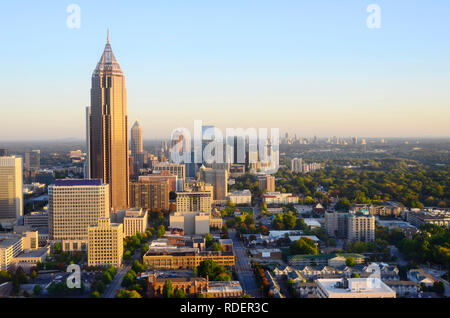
<point>107,35</point>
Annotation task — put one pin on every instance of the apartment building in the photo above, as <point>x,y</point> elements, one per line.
<point>361,228</point>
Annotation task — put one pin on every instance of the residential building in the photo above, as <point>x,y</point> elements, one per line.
<point>432,216</point>
<point>297,165</point>
<point>388,208</point>
<point>267,183</point>
<point>404,288</point>
<point>105,243</point>
<point>333,259</point>
<point>361,228</point>
<point>420,277</point>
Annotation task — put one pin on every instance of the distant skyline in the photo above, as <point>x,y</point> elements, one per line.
<point>306,67</point>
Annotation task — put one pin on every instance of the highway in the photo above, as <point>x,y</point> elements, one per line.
<point>243,268</point>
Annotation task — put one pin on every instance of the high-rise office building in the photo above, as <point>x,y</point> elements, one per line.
<point>11,192</point>
<point>218,178</point>
<point>136,139</point>
<point>136,147</point>
<point>150,194</point>
<point>74,204</point>
<point>108,123</point>
<point>32,160</point>
<point>194,201</point>
<point>105,243</point>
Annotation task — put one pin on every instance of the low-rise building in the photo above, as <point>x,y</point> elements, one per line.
<point>404,288</point>
<point>243,197</point>
<point>185,258</point>
<point>353,288</point>
<point>334,259</point>
<point>420,277</point>
<point>278,198</point>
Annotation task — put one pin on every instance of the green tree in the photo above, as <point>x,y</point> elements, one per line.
<point>168,289</point>
<point>304,246</point>
<point>95,294</point>
<point>179,293</point>
<point>37,290</point>
<point>350,261</point>
<point>161,230</point>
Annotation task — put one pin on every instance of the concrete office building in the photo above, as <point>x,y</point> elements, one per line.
<point>134,220</point>
<point>191,222</point>
<point>353,288</point>
<point>13,244</point>
<point>11,192</point>
<point>194,201</point>
<point>108,128</point>
<point>105,243</point>
<point>150,194</point>
<point>75,204</point>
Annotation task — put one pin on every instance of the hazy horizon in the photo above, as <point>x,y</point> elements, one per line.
<point>306,67</point>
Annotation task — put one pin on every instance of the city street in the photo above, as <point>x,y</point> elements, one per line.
<point>243,268</point>
<point>114,286</point>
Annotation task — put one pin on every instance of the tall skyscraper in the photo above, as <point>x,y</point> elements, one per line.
<point>136,139</point>
<point>32,160</point>
<point>108,153</point>
<point>73,205</point>
<point>11,193</point>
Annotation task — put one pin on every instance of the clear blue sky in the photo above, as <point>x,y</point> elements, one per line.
<point>309,67</point>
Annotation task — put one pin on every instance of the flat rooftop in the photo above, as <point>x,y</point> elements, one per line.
<point>78,182</point>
